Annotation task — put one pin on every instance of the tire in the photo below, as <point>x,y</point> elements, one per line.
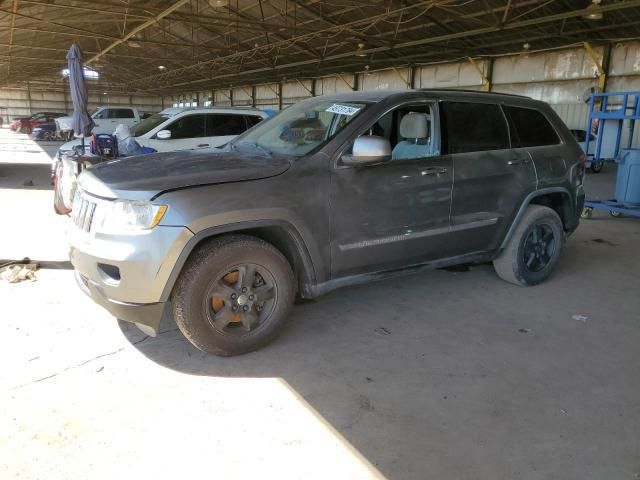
<point>587,212</point>
<point>203,297</point>
<point>596,167</point>
<point>615,214</point>
<point>533,251</point>
<point>26,130</point>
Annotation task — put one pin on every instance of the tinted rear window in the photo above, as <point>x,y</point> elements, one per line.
<point>473,127</point>
<point>253,120</point>
<point>121,113</point>
<point>530,128</point>
<point>219,124</point>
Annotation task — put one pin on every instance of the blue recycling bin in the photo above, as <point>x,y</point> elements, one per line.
<point>628,179</point>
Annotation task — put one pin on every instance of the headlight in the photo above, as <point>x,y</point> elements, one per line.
<point>126,216</point>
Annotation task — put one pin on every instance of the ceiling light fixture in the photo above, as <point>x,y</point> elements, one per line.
<point>592,12</point>
<point>161,67</point>
<point>360,51</point>
<point>133,44</point>
<point>218,3</point>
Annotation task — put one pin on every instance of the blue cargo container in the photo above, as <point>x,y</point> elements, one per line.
<point>628,179</point>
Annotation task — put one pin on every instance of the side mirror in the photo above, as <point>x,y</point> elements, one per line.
<point>368,150</point>
<point>163,135</point>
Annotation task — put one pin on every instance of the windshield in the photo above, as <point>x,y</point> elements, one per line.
<point>301,127</point>
<point>149,124</point>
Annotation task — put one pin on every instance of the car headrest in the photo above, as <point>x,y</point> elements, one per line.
<point>414,125</point>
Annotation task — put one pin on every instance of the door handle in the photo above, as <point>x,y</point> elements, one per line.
<point>521,161</point>
<point>203,145</point>
<point>434,171</point>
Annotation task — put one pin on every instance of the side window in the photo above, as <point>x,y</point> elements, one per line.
<point>219,125</point>
<point>102,114</point>
<point>410,131</point>
<point>530,128</point>
<point>473,127</point>
<point>189,126</point>
<point>253,120</point>
<point>120,113</point>
<point>579,135</point>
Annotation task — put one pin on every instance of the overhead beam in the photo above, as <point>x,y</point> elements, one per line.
<point>486,83</point>
<point>138,29</point>
<point>602,69</point>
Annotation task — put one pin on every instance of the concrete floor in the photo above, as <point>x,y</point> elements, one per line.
<point>447,375</point>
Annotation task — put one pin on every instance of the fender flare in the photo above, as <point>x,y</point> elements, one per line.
<point>523,207</point>
<point>308,270</point>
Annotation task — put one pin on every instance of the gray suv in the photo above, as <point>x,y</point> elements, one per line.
<point>331,192</point>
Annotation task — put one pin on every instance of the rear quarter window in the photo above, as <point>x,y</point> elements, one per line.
<point>530,128</point>
<point>121,113</point>
<point>473,127</point>
<point>253,120</point>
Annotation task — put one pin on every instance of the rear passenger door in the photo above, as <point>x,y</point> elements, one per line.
<point>490,179</point>
<point>224,127</point>
<point>532,131</point>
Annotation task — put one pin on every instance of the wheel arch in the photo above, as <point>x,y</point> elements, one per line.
<point>556,198</point>
<point>281,234</point>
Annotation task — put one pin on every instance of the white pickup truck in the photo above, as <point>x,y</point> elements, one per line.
<point>105,118</point>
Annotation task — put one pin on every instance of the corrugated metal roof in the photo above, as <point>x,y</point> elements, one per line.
<point>254,41</point>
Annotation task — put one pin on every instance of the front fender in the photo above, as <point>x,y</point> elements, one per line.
<point>306,260</point>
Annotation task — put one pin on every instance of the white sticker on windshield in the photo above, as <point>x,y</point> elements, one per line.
<point>342,109</point>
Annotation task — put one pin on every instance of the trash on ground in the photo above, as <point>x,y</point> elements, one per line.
<point>382,331</point>
<point>580,318</point>
<point>524,330</point>
<point>17,272</point>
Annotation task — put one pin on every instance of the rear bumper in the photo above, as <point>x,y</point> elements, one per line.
<point>146,316</point>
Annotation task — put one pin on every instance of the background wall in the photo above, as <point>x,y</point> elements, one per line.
<point>560,78</point>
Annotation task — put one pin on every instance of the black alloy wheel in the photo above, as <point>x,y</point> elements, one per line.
<point>539,247</point>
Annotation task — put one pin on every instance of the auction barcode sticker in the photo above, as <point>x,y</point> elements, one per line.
<point>342,109</point>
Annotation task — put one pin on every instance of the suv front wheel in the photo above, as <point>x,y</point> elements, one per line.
<point>234,295</point>
<point>533,251</point>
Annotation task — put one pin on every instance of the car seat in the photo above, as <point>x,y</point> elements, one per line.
<point>414,128</point>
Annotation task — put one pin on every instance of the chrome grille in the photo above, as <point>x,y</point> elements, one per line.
<point>82,212</point>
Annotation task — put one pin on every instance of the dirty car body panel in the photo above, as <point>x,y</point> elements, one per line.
<point>343,224</point>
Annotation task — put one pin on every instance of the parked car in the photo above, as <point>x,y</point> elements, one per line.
<point>27,124</point>
<point>333,191</point>
<point>106,120</point>
<point>45,131</point>
<point>581,137</point>
<point>170,130</point>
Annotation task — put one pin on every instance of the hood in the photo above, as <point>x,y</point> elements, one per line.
<point>145,176</point>
<point>64,122</point>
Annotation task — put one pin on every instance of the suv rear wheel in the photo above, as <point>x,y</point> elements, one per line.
<point>534,249</point>
<point>234,295</point>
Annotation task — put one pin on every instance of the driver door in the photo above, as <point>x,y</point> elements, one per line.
<point>392,214</point>
<point>187,132</point>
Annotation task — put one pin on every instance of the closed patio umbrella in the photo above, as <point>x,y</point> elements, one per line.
<point>82,123</point>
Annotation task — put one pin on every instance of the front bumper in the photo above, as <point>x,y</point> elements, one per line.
<point>146,316</point>
<point>126,274</point>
